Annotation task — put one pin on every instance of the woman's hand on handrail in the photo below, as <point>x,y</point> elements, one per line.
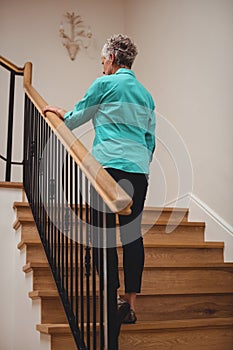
<point>57,110</point>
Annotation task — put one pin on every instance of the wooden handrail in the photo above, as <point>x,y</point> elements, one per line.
<point>113,195</point>
<point>11,66</point>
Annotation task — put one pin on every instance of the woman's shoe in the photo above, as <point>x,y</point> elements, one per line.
<point>130,318</point>
<point>123,308</point>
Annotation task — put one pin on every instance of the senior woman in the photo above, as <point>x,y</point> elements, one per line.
<point>122,112</point>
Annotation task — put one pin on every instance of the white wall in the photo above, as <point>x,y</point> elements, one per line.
<point>186,60</point>
<point>19,314</point>
<point>7,269</point>
<point>30,32</point>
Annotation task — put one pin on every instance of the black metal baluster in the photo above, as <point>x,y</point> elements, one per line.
<point>63,221</point>
<point>71,234</point>
<point>25,150</point>
<point>110,288</point>
<point>31,146</point>
<point>32,158</point>
<point>100,268</point>
<point>87,261</point>
<point>49,186</point>
<point>39,172</point>
<point>94,296</point>
<point>67,222</point>
<point>76,185</point>
<point>10,126</point>
<point>55,218</point>
<point>59,211</point>
<point>36,168</point>
<point>45,184</point>
<point>81,255</point>
<point>42,179</point>
<point>52,197</point>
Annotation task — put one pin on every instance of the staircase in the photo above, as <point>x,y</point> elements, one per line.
<point>187,291</point>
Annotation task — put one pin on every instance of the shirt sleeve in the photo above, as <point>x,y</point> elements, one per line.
<point>85,109</point>
<point>150,135</point>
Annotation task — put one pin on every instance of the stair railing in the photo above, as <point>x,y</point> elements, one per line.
<point>74,202</point>
<point>14,71</point>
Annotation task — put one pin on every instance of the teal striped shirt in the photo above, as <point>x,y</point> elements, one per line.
<point>123,115</point>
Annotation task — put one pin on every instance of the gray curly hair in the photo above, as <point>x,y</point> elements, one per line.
<point>123,49</point>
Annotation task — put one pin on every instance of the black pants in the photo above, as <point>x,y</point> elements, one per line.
<point>130,229</point>
<point>130,232</point>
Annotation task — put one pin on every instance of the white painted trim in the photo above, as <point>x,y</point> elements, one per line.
<point>216,228</point>
<point>176,202</point>
<point>217,218</point>
<point>186,198</point>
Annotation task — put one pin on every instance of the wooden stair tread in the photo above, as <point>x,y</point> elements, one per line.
<point>166,209</point>
<point>11,184</point>
<point>182,245</point>
<point>52,328</point>
<point>28,219</point>
<point>182,213</point>
<point>175,223</point>
<point>176,244</point>
<point>48,293</point>
<point>23,220</point>
<point>20,204</point>
<point>149,326</point>
<point>178,324</point>
<point>25,242</point>
<point>147,208</point>
<point>31,265</point>
<point>35,294</point>
<point>54,293</point>
<point>192,265</point>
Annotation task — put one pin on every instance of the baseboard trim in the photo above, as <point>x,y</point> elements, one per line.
<point>185,200</point>
<point>217,218</point>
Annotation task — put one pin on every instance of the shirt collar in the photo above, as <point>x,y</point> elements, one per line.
<point>125,71</point>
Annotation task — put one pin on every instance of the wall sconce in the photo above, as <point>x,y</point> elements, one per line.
<point>79,35</point>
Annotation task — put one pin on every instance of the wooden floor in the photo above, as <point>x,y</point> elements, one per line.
<point>187,291</point>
